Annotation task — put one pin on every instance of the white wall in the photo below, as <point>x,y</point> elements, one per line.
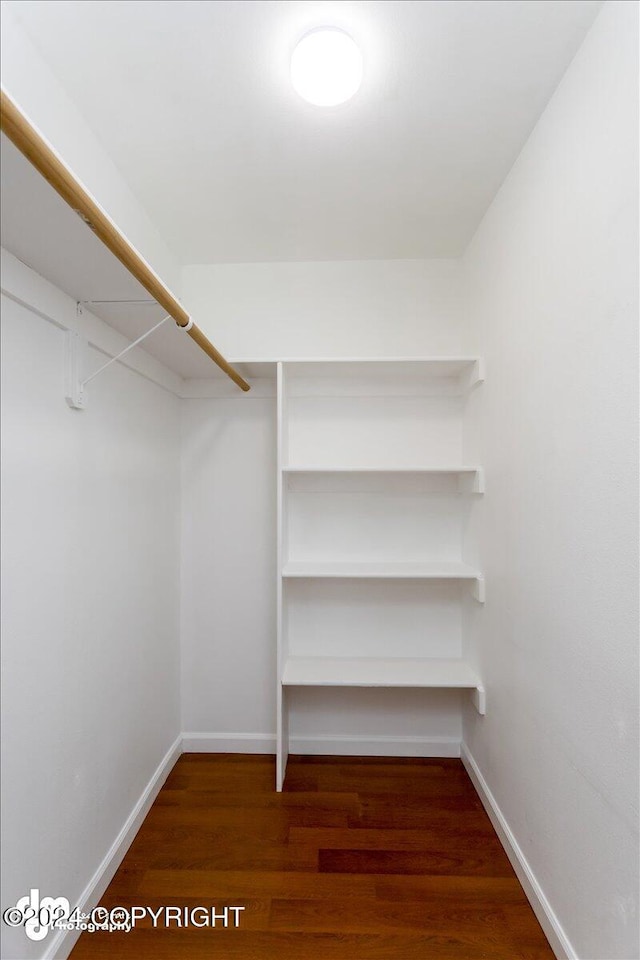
<point>40,95</point>
<point>90,573</point>
<point>353,308</point>
<point>552,302</point>
<point>229,569</point>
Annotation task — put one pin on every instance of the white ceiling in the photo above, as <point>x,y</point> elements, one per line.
<point>192,101</point>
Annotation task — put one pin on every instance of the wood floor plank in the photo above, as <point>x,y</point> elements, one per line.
<point>486,863</point>
<point>192,853</point>
<point>267,822</point>
<point>242,883</point>
<point>358,859</point>
<point>364,916</point>
<point>357,781</point>
<point>406,811</point>
<point>250,945</point>
<point>458,890</point>
<point>383,838</point>
<point>302,806</point>
<point>273,825</point>
<point>463,802</point>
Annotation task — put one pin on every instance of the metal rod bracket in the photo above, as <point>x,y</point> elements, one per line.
<point>75,364</point>
<point>75,359</point>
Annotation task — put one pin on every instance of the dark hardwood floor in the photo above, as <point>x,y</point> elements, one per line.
<point>358,859</point>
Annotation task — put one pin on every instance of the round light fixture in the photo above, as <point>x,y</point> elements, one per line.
<point>326,67</point>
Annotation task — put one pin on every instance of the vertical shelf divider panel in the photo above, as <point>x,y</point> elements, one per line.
<point>282,720</point>
<point>372,490</point>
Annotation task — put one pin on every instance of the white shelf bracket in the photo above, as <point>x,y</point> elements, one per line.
<point>479,698</point>
<point>471,482</point>
<point>478,372</point>
<point>479,589</point>
<point>474,376</point>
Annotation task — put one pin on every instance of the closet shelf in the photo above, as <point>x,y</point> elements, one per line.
<point>470,479</point>
<point>350,367</point>
<point>389,672</point>
<point>418,570</point>
<point>381,469</point>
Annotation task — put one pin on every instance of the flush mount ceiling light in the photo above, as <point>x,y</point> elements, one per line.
<point>326,67</point>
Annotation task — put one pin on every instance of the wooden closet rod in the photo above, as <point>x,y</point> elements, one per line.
<point>29,142</point>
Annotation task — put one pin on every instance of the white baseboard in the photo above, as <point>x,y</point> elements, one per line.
<point>376,746</point>
<point>60,947</point>
<point>560,943</point>
<point>319,745</point>
<point>228,743</point>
